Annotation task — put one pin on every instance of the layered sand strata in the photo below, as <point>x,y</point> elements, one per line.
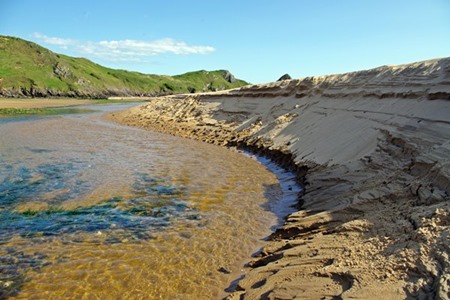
<point>373,151</point>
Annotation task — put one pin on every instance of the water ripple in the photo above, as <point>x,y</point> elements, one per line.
<point>155,204</point>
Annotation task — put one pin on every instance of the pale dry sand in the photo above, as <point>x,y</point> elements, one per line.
<point>373,150</point>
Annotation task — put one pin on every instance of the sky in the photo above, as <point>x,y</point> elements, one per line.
<point>256,40</point>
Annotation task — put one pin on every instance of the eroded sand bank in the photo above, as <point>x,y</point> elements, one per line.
<point>373,150</point>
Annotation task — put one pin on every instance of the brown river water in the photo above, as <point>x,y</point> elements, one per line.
<point>90,209</point>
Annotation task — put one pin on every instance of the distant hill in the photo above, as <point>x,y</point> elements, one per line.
<point>27,69</point>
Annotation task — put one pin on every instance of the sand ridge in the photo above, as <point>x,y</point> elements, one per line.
<point>373,151</point>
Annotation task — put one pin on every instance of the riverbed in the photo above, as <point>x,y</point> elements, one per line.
<point>91,209</point>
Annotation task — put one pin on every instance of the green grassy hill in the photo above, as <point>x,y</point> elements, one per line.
<point>27,69</point>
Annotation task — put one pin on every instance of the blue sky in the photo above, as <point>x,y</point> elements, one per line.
<point>257,40</point>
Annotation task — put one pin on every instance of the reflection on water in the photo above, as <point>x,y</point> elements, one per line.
<point>91,209</point>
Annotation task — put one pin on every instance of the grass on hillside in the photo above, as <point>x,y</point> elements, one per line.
<point>29,69</point>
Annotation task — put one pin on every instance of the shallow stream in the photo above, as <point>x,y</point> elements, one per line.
<point>90,209</point>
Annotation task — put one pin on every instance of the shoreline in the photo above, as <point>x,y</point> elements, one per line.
<point>32,103</point>
<point>27,103</point>
<point>371,149</point>
<point>289,184</point>
<point>290,191</point>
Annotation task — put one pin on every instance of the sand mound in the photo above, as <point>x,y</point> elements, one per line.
<point>373,150</point>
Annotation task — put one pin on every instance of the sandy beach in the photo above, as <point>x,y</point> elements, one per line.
<point>28,103</point>
<point>41,102</point>
<point>372,149</point>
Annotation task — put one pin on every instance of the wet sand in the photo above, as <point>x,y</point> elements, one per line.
<point>373,151</point>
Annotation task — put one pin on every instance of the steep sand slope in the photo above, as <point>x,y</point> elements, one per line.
<point>373,150</point>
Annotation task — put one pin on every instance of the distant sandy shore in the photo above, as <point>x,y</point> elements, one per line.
<point>41,102</point>
<point>57,102</point>
<point>373,150</point>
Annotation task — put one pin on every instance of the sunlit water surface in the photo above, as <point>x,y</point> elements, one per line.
<point>94,210</point>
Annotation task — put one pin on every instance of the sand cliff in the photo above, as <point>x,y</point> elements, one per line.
<point>373,151</point>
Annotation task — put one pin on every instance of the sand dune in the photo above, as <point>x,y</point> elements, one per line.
<point>373,151</point>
